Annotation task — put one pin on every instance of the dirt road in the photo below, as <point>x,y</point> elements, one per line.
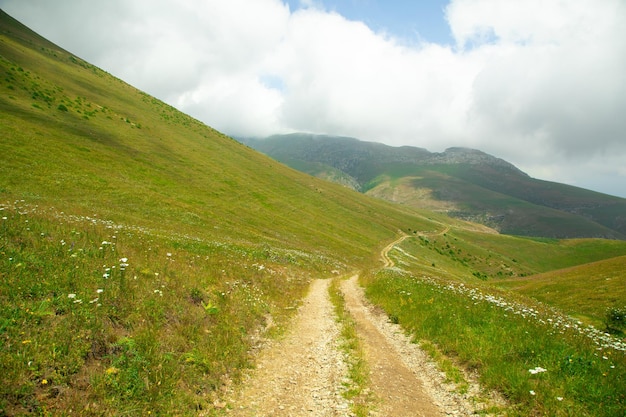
<point>384,254</point>
<point>303,373</point>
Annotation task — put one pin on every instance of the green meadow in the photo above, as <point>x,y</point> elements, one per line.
<point>143,254</point>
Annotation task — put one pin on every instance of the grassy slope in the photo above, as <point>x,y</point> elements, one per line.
<point>116,148</point>
<point>584,291</point>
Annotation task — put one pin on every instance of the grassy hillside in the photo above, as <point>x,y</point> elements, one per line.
<point>78,138</point>
<point>586,292</point>
<point>465,183</point>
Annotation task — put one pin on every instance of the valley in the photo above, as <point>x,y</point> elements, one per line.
<point>151,265</point>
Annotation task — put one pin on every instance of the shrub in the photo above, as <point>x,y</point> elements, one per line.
<point>615,320</point>
<point>62,107</point>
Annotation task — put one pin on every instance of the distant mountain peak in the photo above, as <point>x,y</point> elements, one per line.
<point>460,155</point>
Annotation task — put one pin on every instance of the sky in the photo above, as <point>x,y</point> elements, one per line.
<point>539,83</point>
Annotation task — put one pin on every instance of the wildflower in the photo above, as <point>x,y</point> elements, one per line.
<point>169,254</point>
<point>537,370</point>
<point>112,370</point>
<point>95,300</point>
<point>559,398</point>
<point>25,342</point>
<point>78,301</point>
<point>44,381</point>
<point>99,290</point>
<point>105,275</point>
<point>123,264</point>
<point>72,295</point>
<point>532,392</point>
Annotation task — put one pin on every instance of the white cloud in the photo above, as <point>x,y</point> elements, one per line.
<point>541,84</point>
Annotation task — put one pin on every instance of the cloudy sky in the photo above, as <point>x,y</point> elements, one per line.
<point>540,83</point>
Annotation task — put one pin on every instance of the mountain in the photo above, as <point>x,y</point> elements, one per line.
<point>464,183</point>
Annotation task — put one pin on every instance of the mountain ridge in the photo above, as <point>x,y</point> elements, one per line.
<point>400,154</point>
<point>469,183</point>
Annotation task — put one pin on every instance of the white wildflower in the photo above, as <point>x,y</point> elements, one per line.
<point>537,370</point>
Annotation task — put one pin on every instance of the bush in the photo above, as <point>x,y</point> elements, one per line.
<point>62,107</point>
<point>615,320</point>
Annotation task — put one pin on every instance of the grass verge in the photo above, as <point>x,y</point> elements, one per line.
<point>357,391</point>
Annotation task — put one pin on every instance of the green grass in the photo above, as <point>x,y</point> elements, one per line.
<point>357,391</point>
<point>587,291</point>
<point>452,372</point>
<point>500,256</point>
<point>503,344</point>
<point>82,330</point>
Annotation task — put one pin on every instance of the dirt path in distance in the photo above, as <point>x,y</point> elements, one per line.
<point>384,254</point>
